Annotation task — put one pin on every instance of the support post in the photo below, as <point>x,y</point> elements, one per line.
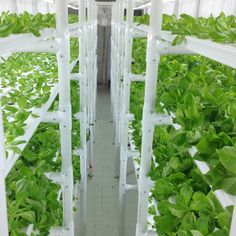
<point>94,56</point>
<point>176,8</point>
<point>124,116</point>
<point>119,73</point>
<point>233,225</point>
<point>14,6</point>
<point>63,58</point>
<point>152,60</point>
<point>83,120</point>
<point>35,7</point>
<point>3,201</point>
<point>112,57</point>
<point>48,7</point>
<point>91,87</point>
<point>198,7</point>
<point>118,79</point>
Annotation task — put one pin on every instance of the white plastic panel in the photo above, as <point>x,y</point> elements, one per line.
<point>31,6</point>
<point>188,6</point>
<point>169,7</point>
<point>46,7</point>
<point>24,5</point>
<point>215,7</point>
<point>5,5</point>
<point>207,7</point>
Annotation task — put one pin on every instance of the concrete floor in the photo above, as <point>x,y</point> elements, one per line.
<point>103,189</point>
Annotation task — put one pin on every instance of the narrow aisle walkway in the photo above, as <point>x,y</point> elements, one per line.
<point>103,188</point>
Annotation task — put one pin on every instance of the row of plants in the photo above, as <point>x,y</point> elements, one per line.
<point>31,197</point>
<point>11,23</point>
<point>221,29</point>
<point>32,78</point>
<point>200,94</point>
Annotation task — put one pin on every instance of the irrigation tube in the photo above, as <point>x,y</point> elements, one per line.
<point>152,60</point>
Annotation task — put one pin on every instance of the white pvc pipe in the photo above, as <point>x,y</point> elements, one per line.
<point>63,58</point>
<point>137,77</point>
<point>91,81</point>
<point>114,34</point>
<point>153,58</point>
<point>124,116</point>
<point>14,6</point>
<point>48,7</point>
<point>94,74</point>
<point>3,201</point>
<point>35,6</point>
<point>95,57</point>
<point>53,117</point>
<point>122,65</point>
<point>198,7</point>
<point>176,8</point>
<point>83,120</point>
<point>15,42</point>
<point>166,48</point>
<point>233,225</point>
<point>50,46</point>
<point>117,73</point>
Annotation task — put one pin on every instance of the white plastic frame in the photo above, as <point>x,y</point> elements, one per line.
<point>88,86</point>
<point>221,53</point>
<point>61,46</point>
<point>120,93</point>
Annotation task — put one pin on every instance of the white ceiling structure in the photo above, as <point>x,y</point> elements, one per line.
<point>192,7</point>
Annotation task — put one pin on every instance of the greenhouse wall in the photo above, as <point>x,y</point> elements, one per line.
<point>195,8</point>
<point>32,6</point>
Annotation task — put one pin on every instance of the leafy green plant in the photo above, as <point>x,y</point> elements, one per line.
<point>221,29</point>
<point>28,23</point>
<point>201,93</point>
<point>31,197</point>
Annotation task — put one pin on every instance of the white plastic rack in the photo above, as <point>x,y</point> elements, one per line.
<point>159,43</point>
<point>57,41</point>
<point>87,81</point>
